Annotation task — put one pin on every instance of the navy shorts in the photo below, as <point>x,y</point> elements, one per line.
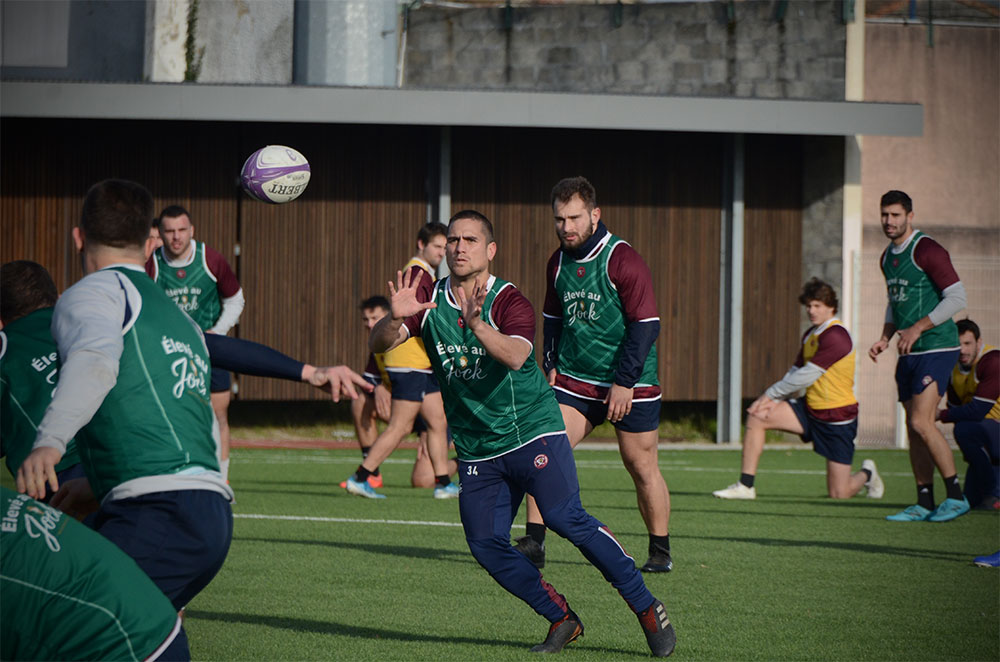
<point>413,386</point>
<point>221,380</point>
<point>835,442</point>
<point>645,416</point>
<point>915,372</point>
<point>180,538</point>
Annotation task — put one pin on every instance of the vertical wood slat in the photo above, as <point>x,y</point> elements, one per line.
<point>306,265</point>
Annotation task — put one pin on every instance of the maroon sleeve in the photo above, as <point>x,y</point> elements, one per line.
<point>988,374</point>
<point>628,271</point>
<point>834,344</point>
<point>513,315</point>
<point>151,266</point>
<point>425,282</point>
<point>552,306</point>
<point>225,279</point>
<point>936,263</point>
<point>412,323</point>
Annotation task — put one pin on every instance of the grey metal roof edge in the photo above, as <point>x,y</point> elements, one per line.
<point>353,105</point>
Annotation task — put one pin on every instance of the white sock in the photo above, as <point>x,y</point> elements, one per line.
<point>224,468</point>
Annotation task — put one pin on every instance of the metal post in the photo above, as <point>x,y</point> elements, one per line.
<point>729,404</point>
<point>444,187</point>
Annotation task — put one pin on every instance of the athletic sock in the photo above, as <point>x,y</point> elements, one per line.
<point>536,531</point>
<point>659,543</point>
<point>747,479</point>
<point>364,456</point>
<point>925,496</point>
<point>867,473</point>
<point>442,481</point>
<point>361,475</point>
<point>953,488</point>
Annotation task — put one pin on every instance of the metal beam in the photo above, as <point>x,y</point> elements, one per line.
<point>355,105</point>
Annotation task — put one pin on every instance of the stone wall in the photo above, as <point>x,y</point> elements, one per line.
<point>666,48</point>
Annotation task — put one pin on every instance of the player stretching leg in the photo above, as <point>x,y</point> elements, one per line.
<point>827,416</point>
<point>508,431</point>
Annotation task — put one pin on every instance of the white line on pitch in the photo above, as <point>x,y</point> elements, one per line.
<point>341,520</point>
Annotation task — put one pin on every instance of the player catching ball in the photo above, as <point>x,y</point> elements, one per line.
<point>508,432</point>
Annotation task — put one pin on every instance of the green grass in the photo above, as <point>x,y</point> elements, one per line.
<point>249,419</point>
<point>791,576</point>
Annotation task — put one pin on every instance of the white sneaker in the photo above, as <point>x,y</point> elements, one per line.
<point>737,491</point>
<point>876,488</point>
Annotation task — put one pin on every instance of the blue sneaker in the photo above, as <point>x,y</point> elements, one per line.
<point>991,561</point>
<point>949,509</point>
<point>449,491</point>
<point>362,489</point>
<point>914,513</point>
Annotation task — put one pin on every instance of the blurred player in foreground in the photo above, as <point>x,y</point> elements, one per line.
<point>69,594</point>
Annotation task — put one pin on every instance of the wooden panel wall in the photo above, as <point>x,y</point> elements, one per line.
<point>661,192</point>
<point>308,264</point>
<point>772,268</point>
<point>305,266</point>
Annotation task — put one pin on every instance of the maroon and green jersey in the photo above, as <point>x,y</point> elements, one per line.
<point>595,297</point>
<point>916,274</point>
<point>491,409</point>
<point>198,285</point>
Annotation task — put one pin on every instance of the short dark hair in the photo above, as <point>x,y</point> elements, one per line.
<point>567,188</point>
<point>430,230</point>
<point>968,325</point>
<point>476,216</point>
<point>25,287</point>
<point>117,213</point>
<point>375,301</point>
<point>170,211</point>
<point>817,290</point>
<point>896,198</point>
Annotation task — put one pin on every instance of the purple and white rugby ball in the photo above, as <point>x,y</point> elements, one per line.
<point>275,174</point>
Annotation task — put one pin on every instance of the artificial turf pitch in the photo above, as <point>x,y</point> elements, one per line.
<point>317,574</point>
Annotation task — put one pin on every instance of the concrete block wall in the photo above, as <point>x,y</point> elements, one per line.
<point>665,48</point>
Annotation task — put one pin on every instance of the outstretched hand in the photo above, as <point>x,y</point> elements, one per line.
<point>339,381</point>
<point>403,296</point>
<point>472,306</point>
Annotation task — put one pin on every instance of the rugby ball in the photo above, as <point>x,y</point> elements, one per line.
<point>275,174</point>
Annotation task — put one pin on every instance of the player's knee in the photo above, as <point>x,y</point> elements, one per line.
<point>840,492</point>
<point>755,422</point>
<point>922,428</point>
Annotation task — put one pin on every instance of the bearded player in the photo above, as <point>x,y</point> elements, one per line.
<point>601,325</point>
<point>202,284</point>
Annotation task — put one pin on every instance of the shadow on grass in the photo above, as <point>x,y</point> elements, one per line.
<point>341,629</point>
<point>408,551</point>
<point>865,548</point>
